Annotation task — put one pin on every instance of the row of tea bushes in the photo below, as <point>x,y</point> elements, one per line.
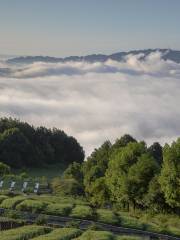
<point>104,235</point>
<point>22,203</point>
<point>34,232</point>
<point>61,234</point>
<point>11,203</point>
<point>24,233</point>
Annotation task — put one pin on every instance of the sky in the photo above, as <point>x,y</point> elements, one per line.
<point>96,101</point>
<point>80,27</point>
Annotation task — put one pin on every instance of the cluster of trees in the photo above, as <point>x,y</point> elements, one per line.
<point>22,145</point>
<point>129,174</point>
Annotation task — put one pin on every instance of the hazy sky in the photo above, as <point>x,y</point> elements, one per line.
<point>79,27</point>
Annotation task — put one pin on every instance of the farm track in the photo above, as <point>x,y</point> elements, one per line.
<point>84,224</point>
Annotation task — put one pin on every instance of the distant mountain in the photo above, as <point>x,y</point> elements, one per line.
<point>168,54</point>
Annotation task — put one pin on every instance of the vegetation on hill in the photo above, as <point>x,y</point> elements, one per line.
<point>130,175</point>
<point>22,145</point>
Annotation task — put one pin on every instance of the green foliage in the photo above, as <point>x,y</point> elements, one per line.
<point>84,212</point>
<point>66,186</point>
<point>59,209</point>
<point>98,192</point>
<point>97,235</point>
<point>4,169</point>
<point>119,166</point>
<point>2,198</point>
<point>61,234</point>
<point>170,174</point>
<point>11,203</point>
<point>22,145</point>
<point>23,233</point>
<point>34,206</point>
<point>107,216</point>
<point>41,219</point>
<point>74,171</point>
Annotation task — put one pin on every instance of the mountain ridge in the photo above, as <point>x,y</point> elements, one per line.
<point>167,54</point>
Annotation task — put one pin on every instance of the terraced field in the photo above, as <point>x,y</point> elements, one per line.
<point>78,214</point>
<point>43,233</point>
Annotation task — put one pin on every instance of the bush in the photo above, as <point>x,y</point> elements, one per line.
<point>97,235</point>
<point>11,203</point>
<point>59,209</point>
<point>85,212</point>
<point>107,216</point>
<point>32,206</point>
<point>2,198</point>
<point>61,234</point>
<point>23,233</point>
<point>66,187</point>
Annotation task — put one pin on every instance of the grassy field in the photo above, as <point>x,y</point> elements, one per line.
<point>48,171</point>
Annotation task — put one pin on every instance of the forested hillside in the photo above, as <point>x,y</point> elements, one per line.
<point>23,145</point>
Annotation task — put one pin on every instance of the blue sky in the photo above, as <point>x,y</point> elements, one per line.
<point>79,27</point>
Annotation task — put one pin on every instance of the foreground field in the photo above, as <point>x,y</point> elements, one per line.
<point>80,209</point>
<point>43,233</point>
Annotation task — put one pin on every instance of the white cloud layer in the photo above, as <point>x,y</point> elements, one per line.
<point>97,101</point>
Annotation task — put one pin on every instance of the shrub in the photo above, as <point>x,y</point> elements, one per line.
<point>96,235</point>
<point>23,233</point>
<point>32,206</point>
<point>82,212</point>
<point>11,203</point>
<point>61,234</point>
<point>59,209</point>
<point>66,187</point>
<point>2,198</point>
<point>107,216</point>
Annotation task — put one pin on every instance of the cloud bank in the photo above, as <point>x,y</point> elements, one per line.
<point>96,101</point>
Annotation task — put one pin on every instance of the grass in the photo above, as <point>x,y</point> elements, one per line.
<point>48,171</point>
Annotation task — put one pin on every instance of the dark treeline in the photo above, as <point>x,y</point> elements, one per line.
<point>130,175</point>
<point>22,145</point>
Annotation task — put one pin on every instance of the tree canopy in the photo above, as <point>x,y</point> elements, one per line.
<point>23,145</point>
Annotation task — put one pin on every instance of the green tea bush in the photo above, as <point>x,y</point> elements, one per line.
<point>24,233</point>
<point>107,216</point>
<point>11,203</point>
<point>61,234</point>
<point>2,198</point>
<point>84,212</point>
<point>97,235</point>
<point>59,209</point>
<point>33,206</point>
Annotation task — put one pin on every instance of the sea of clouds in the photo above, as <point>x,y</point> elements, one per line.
<point>96,101</point>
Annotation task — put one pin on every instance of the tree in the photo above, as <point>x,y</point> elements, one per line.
<point>156,151</point>
<point>139,176</point>
<point>74,171</point>
<point>22,145</point>
<point>170,174</point>
<point>117,172</point>
<point>4,169</point>
<point>154,199</point>
<point>99,194</point>
<point>123,141</point>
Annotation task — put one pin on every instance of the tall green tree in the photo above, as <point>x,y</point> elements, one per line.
<point>170,174</point>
